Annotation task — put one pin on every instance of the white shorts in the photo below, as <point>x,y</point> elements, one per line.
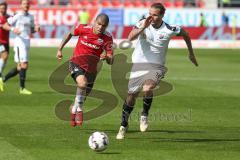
<point>21,50</point>
<point>139,75</point>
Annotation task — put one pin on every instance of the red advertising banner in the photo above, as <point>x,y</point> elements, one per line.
<point>57,16</point>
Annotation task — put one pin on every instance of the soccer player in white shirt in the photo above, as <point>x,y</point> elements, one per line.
<point>153,36</point>
<point>22,24</point>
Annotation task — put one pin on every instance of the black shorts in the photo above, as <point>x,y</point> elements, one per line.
<point>4,48</point>
<point>76,71</point>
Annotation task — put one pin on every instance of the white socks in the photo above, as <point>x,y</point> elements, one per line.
<point>2,64</point>
<point>79,100</point>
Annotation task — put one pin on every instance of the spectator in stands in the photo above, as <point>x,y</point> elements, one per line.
<point>203,22</point>
<point>63,2</point>
<point>44,2</point>
<point>84,16</point>
<point>225,19</point>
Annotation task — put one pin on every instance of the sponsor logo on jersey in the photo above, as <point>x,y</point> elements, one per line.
<point>89,45</point>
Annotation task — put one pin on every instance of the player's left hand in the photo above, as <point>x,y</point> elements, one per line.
<point>59,55</point>
<point>37,28</point>
<point>103,57</point>
<point>193,59</point>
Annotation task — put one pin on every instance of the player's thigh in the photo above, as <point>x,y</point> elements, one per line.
<point>21,53</point>
<point>136,81</point>
<point>149,85</point>
<point>4,51</point>
<point>78,74</point>
<point>153,78</point>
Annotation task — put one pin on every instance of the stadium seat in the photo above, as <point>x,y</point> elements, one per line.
<point>13,2</point>
<point>127,3</point>
<point>95,3</point>
<point>200,4</point>
<point>116,3</point>
<point>147,3</point>
<point>85,3</point>
<point>75,2</point>
<point>106,3</point>
<point>179,3</point>
<point>56,2</point>
<point>17,2</point>
<point>168,4</point>
<point>137,3</point>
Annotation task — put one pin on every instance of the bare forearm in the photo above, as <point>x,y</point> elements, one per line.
<point>109,60</point>
<point>65,40</point>
<point>7,27</point>
<point>189,44</point>
<point>135,33</point>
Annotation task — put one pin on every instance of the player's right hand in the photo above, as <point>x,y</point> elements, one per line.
<point>16,31</point>
<point>147,22</point>
<point>59,55</point>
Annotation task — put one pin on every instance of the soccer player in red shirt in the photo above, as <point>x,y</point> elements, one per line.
<point>92,41</point>
<point>4,40</point>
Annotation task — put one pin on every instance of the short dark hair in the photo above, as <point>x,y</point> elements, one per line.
<point>159,6</point>
<point>3,4</point>
<point>104,17</point>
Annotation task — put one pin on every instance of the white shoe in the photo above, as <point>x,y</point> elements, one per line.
<point>143,123</point>
<point>121,133</point>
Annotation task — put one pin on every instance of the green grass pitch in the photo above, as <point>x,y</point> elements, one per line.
<point>198,119</point>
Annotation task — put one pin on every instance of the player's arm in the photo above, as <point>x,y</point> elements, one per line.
<point>65,40</point>
<point>187,39</point>
<point>109,53</point>
<point>109,59</point>
<point>8,27</point>
<point>35,28</point>
<point>137,31</point>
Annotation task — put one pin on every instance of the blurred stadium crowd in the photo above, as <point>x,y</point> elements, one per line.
<point>130,3</point>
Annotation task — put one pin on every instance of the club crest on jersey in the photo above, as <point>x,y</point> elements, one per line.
<point>100,41</point>
<point>161,36</point>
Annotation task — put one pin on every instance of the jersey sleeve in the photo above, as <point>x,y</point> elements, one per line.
<point>13,19</point>
<point>175,30</point>
<point>78,30</point>
<point>108,47</point>
<point>32,22</point>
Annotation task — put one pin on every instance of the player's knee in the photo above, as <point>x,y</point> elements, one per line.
<point>148,88</point>
<point>24,65</point>
<point>4,56</point>
<point>82,84</point>
<point>131,99</point>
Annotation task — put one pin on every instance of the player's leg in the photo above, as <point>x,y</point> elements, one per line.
<point>152,79</point>
<point>148,87</point>
<point>4,50</point>
<point>134,87</point>
<point>126,111</point>
<point>21,57</point>
<point>22,78</point>
<point>78,75</point>
<point>14,71</point>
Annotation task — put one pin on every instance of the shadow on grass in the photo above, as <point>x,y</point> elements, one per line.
<point>196,140</point>
<point>109,153</point>
<point>171,131</point>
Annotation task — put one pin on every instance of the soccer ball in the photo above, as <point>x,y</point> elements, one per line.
<point>98,141</point>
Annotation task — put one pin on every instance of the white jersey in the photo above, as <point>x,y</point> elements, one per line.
<point>152,43</point>
<point>24,22</point>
